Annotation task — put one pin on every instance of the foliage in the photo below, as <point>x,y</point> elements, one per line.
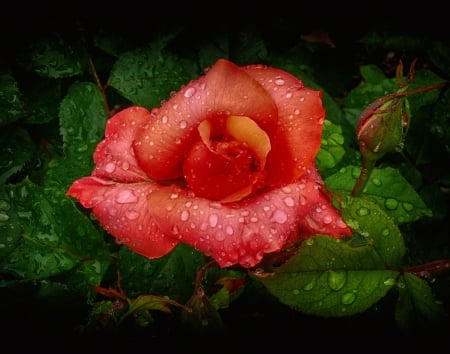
<point>54,103</point>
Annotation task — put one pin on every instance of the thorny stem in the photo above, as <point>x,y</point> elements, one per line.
<point>98,83</point>
<point>201,272</point>
<point>431,269</point>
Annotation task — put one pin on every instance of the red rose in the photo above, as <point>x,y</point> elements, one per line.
<point>226,165</point>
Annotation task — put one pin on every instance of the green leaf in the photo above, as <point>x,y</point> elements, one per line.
<point>82,124</point>
<point>369,220</point>
<point>17,148</point>
<point>331,150</point>
<point>55,57</point>
<point>82,116</point>
<point>11,100</point>
<point>44,234</point>
<point>416,303</point>
<point>331,278</point>
<point>146,75</point>
<point>388,188</point>
<point>43,97</point>
<point>172,275</point>
<point>364,94</point>
<point>372,74</point>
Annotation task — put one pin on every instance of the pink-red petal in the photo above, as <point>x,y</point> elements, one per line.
<point>114,156</point>
<point>125,212</point>
<point>241,233</point>
<point>300,123</point>
<point>225,90</point>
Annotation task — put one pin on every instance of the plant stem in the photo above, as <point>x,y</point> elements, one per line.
<point>363,178</point>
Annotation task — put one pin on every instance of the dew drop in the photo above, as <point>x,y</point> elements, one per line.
<point>386,232</point>
<point>229,230</point>
<point>310,285</point>
<point>363,211</point>
<point>289,201</point>
<point>309,241</point>
<point>213,220</point>
<point>279,216</point>
<point>327,219</point>
<point>189,92</point>
<point>407,206</point>
<point>391,203</point>
<point>183,124</point>
<point>110,167</point>
<point>348,298</point>
<point>126,196</point>
<point>132,214</point>
<point>389,282</point>
<point>125,165</point>
<point>184,215</point>
<point>279,81</point>
<point>289,95</point>
<point>165,120</point>
<point>336,280</point>
<point>376,182</point>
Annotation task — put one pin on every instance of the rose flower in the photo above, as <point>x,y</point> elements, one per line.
<point>226,165</point>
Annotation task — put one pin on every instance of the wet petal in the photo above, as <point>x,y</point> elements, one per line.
<point>124,211</point>
<point>300,122</point>
<point>316,213</point>
<point>228,162</point>
<point>114,156</point>
<point>241,233</point>
<point>225,90</point>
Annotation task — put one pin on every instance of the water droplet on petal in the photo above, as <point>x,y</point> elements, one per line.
<point>280,216</point>
<point>189,92</point>
<point>213,220</point>
<point>229,230</point>
<point>110,167</point>
<point>279,81</point>
<point>183,124</point>
<point>132,214</point>
<point>289,201</point>
<point>126,196</point>
<point>184,215</point>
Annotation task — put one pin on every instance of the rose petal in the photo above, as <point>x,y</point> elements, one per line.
<point>300,119</point>
<point>228,167</point>
<point>114,156</point>
<point>224,90</point>
<point>241,233</point>
<point>316,213</point>
<point>124,211</point>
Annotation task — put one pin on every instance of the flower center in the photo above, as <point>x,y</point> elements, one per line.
<point>227,161</point>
